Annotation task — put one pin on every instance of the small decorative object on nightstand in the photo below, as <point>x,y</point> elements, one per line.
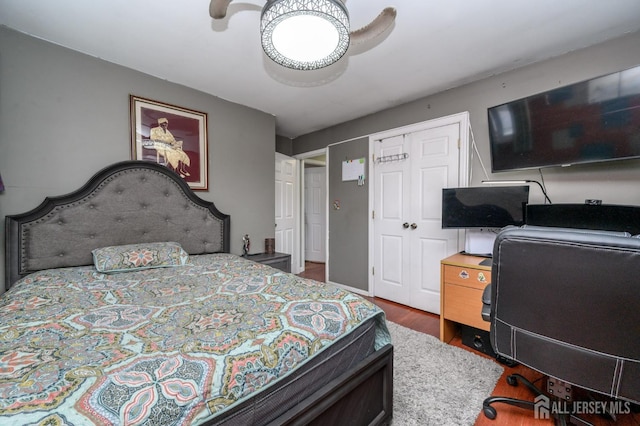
<point>246,245</point>
<point>280,261</point>
<point>269,245</point>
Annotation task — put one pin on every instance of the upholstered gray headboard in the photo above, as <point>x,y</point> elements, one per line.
<point>125,203</point>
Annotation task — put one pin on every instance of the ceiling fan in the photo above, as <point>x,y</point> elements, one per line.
<point>309,34</point>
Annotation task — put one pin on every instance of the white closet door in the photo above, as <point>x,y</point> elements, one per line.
<point>408,240</point>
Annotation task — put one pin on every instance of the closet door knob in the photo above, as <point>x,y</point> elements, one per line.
<point>414,226</point>
<point>405,225</point>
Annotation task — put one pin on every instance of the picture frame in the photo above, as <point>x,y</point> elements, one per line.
<point>173,136</point>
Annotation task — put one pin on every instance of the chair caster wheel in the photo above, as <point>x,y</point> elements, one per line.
<point>489,412</point>
<point>512,381</point>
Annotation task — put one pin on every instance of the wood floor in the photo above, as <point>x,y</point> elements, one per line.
<point>507,415</point>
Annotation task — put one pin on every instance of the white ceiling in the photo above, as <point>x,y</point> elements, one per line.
<point>434,45</point>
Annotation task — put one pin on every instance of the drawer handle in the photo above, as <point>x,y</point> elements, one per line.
<point>463,274</point>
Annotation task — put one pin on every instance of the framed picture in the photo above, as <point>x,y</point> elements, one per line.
<point>173,136</point>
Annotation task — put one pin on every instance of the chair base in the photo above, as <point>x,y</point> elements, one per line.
<point>540,405</point>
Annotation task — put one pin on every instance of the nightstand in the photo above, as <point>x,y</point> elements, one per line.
<point>280,261</point>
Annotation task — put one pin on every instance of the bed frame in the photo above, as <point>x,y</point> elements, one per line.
<point>136,201</point>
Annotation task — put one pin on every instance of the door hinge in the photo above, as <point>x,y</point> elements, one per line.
<point>373,214</point>
<point>373,158</point>
<point>459,143</point>
<point>373,270</point>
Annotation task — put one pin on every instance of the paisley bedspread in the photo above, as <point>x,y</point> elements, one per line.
<point>167,346</point>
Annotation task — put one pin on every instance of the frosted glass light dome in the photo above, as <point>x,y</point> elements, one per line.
<point>304,34</point>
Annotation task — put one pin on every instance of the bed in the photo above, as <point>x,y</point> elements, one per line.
<point>124,306</point>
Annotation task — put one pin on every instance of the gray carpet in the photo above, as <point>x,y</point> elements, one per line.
<point>435,383</point>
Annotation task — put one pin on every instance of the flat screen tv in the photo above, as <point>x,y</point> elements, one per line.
<point>484,207</point>
<point>591,121</point>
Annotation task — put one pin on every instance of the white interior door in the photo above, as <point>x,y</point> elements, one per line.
<point>286,207</point>
<point>434,166</point>
<point>408,240</point>
<point>391,245</point>
<point>315,218</point>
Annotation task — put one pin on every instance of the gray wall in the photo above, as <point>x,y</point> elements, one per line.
<point>613,182</point>
<point>65,115</point>
<point>348,227</point>
<point>284,145</point>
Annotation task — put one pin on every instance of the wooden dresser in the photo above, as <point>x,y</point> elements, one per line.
<point>462,281</point>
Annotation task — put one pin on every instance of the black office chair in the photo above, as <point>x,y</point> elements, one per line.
<point>566,302</point>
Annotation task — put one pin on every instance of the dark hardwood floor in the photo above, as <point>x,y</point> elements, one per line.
<point>428,323</point>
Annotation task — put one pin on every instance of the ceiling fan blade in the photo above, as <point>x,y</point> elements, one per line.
<point>218,8</point>
<point>376,27</point>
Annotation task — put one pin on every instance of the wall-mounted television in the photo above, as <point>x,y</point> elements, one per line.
<point>591,121</point>
<point>484,207</point>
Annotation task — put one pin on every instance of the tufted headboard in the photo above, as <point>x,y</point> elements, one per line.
<point>125,203</point>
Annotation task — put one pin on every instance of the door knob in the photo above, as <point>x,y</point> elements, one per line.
<point>414,226</point>
<point>405,225</point>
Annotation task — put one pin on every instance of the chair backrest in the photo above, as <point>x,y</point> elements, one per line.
<point>566,302</point>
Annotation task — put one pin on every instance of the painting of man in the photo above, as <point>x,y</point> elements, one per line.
<point>169,148</point>
<point>173,136</point>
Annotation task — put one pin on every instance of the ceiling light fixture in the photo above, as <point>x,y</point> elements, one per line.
<point>309,34</point>
<point>304,34</point>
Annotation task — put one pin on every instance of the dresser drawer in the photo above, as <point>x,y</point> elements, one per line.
<point>464,305</point>
<point>283,265</point>
<point>468,277</point>
<point>280,261</point>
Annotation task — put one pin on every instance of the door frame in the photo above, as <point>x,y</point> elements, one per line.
<point>462,119</point>
<point>301,210</point>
